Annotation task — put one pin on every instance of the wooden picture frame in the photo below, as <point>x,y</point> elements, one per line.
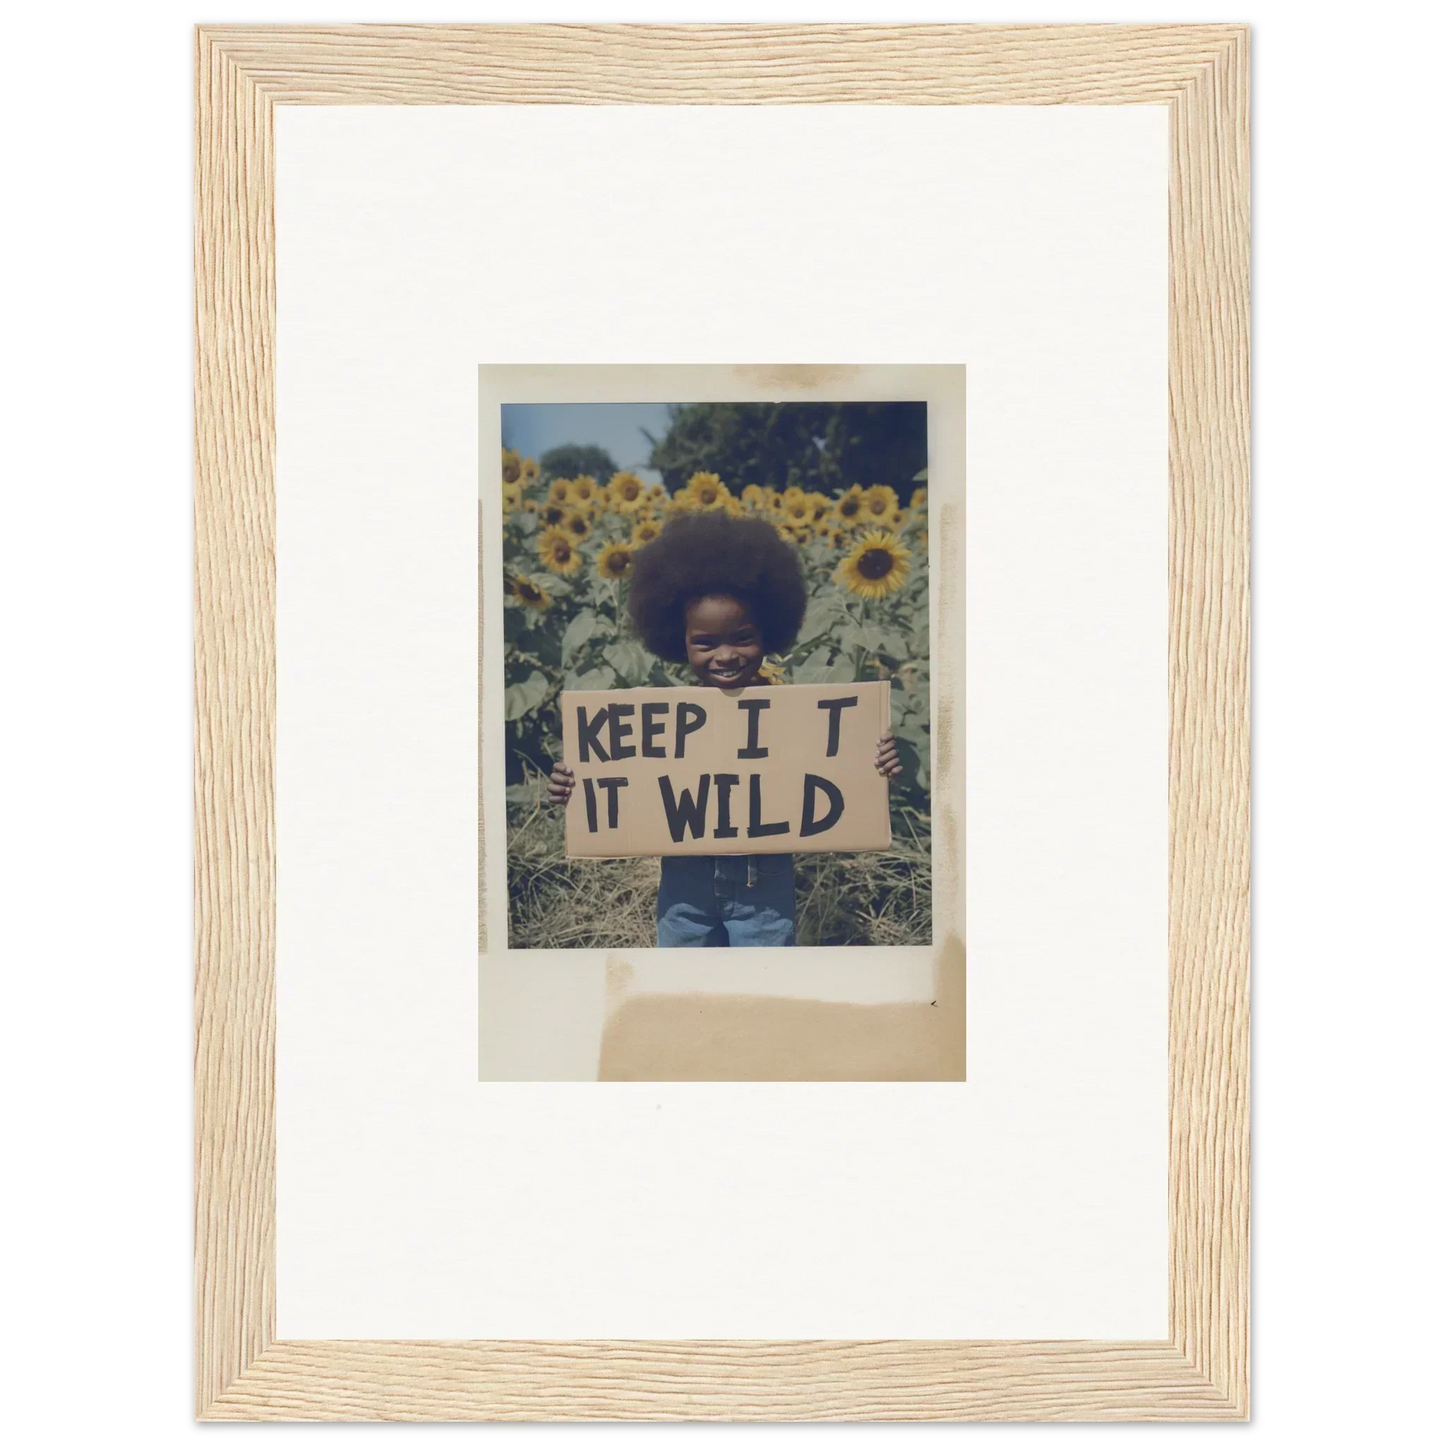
<point>1201,1371</point>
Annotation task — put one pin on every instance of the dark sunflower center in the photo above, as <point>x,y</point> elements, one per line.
<point>562,550</point>
<point>528,593</point>
<point>849,508</point>
<point>617,563</point>
<point>875,564</point>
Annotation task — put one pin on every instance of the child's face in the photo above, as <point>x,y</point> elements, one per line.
<point>724,647</point>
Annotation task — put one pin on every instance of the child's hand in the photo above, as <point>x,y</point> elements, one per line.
<point>560,785</point>
<point>886,758</point>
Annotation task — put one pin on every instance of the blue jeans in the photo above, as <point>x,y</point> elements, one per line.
<point>730,902</point>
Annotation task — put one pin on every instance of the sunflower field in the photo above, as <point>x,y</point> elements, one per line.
<point>567,551</point>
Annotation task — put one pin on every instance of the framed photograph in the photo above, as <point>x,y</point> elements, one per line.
<point>724,797</point>
<point>670,489</point>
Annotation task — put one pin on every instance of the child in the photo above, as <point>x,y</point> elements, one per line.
<point>719,593</point>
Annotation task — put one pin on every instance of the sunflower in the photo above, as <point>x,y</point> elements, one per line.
<point>614,560</point>
<point>919,500</point>
<point>921,537</point>
<point>551,513</point>
<point>819,504</point>
<point>626,491</point>
<point>530,469</point>
<point>754,496</point>
<point>557,492</point>
<point>511,496</point>
<point>877,565</point>
<point>647,530</point>
<point>797,508</point>
<point>879,502</point>
<point>576,526</point>
<point>529,593</point>
<point>511,465</point>
<point>657,494</point>
<point>705,492</point>
<point>558,552</point>
<point>824,533</point>
<point>582,491</point>
<point>849,507</point>
<point>895,519</point>
<point>793,494</point>
<point>771,672</point>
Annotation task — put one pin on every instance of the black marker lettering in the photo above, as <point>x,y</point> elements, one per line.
<point>611,785</point>
<point>617,730</point>
<point>811,785</point>
<point>835,706</point>
<point>753,706</point>
<point>653,729</point>
<point>683,813</point>
<point>590,733</point>
<point>686,710</point>
<point>725,784</point>
<point>590,793</point>
<point>756,827</point>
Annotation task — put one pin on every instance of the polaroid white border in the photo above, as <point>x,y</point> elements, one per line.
<point>531,1029</point>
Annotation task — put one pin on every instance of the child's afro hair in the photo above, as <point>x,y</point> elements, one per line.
<point>710,554</point>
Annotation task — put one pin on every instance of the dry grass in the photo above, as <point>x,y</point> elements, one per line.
<point>843,898</point>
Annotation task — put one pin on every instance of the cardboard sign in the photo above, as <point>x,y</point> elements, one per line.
<point>785,769</point>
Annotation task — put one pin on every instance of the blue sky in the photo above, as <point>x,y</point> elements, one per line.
<point>616,426</point>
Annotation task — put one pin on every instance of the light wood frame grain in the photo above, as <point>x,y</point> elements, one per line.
<point>1202,1370</point>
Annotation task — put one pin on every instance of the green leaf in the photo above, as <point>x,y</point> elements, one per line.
<point>921,476</point>
<point>631,661</point>
<point>579,631</point>
<point>820,619</point>
<point>868,636</point>
<point>908,726</point>
<point>523,697</point>
<point>842,670</point>
<point>596,679</point>
<point>814,668</point>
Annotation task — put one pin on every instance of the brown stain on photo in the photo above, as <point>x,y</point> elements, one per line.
<point>698,1037</point>
<point>948,865</point>
<point>802,378</point>
<point>620,976</point>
